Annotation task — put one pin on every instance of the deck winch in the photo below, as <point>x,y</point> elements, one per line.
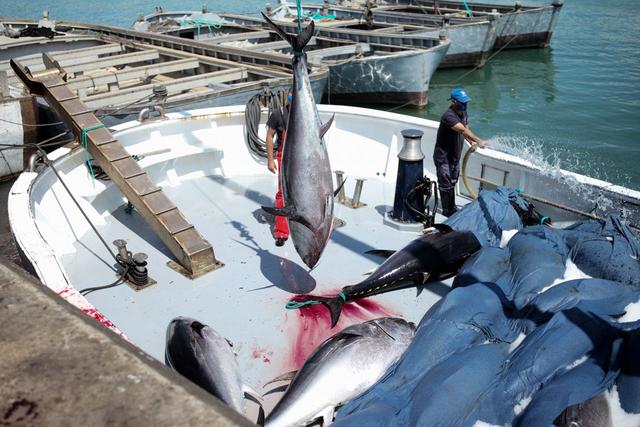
<point>136,273</point>
<point>413,190</point>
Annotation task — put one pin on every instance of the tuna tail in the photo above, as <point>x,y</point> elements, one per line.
<point>297,42</point>
<point>260,419</point>
<point>334,304</point>
<point>335,308</point>
<point>254,396</point>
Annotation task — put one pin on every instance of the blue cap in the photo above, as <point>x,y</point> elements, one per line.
<point>460,95</point>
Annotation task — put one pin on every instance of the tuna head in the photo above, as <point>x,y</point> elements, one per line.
<point>399,330</point>
<point>201,355</point>
<point>340,369</point>
<point>594,412</point>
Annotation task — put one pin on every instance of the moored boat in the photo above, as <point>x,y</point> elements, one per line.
<point>518,26</point>
<point>471,42</point>
<point>195,75</point>
<point>359,72</point>
<point>471,39</point>
<point>119,77</point>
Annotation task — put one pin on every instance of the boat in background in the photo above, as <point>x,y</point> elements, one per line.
<point>359,72</point>
<point>121,69</point>
<point>119,73</point>
<point>518,26</point>
<point>471,39</point>
<point>471,42</point>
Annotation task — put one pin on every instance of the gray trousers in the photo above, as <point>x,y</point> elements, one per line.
<point>448,174</point>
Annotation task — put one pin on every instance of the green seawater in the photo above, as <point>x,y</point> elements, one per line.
<point>575,105</point>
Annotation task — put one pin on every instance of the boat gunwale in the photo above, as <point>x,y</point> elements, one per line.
<point>463,21</point>
<point>42,256</point>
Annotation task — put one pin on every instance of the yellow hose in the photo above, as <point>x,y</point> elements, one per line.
<point>465,180</point>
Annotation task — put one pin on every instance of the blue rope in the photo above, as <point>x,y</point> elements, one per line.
<point>291,305</point>
<point>299,5</point>
<point>543,219</point>
<point>85,143</point>
<point>296,304</point>
<point>466,6</point>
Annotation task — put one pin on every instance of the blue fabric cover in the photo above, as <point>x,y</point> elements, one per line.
<point>506,346</point>
<point>490,214</point>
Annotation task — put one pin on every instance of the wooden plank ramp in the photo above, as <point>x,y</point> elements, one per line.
<point>193,253</point>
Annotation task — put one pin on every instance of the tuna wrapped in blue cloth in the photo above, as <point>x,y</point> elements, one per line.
<point>544,328</point>
<point>493,212</point>
<point>605,249</point>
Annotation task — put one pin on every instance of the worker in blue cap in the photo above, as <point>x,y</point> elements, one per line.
<point>452,132</point>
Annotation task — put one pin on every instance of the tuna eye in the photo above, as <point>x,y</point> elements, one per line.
<point>197,327</point>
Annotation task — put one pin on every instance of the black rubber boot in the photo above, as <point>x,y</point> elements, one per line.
<point>448,200</point>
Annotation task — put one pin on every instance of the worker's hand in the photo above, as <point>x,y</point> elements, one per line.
<point>482,143</point>
<point>271,165</point>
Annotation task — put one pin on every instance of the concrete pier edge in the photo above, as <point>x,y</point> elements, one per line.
<point>60,367</point>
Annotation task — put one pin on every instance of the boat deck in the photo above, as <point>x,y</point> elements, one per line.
<point>245,300</point>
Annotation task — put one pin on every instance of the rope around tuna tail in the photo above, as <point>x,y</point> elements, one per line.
<point>291,305</point>
<point>299,6</point>
<point>466,6</point>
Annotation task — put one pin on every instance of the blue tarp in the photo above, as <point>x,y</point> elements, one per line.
<point>513,343</point>
<point>490,214</point>
<point>608,250</point>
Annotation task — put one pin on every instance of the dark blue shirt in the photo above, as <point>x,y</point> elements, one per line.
<point>278,121</point>
<point>449,142</point>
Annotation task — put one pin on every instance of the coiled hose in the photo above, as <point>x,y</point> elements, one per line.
<point>252,115</point>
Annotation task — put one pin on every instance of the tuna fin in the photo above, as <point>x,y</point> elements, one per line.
<point>325,127</point>
<point>302,220</point>
<point>333,304</point>
<point>260,419</point>
<point>425,277</point>
<point>289,212</point>
<point>288,376</point>
<point>297,42</point>
<point>326,415</point>
<point>385,331</point>
<point>335,308</point>
<point>278,389</point>
<point>335,193</point>
<point>252,395</point>
<point>382,253</point>
<point>443,228</point>
<point>286,211</point>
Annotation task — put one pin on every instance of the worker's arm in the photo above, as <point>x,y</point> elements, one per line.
<point>469,136</point>
<point>271,164</point>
